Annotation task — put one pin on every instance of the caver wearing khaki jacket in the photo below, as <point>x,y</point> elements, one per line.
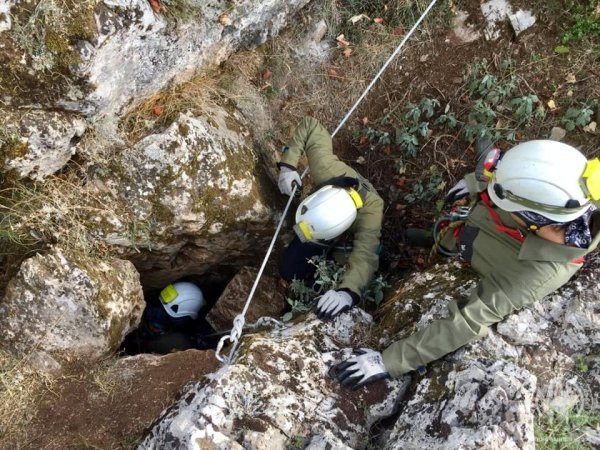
<point>513,274</point>
<point>311,138</point>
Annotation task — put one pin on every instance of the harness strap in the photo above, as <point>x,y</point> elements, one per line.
<point>512,232</point>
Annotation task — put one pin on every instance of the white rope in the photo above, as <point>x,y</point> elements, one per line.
<point>238,322</point>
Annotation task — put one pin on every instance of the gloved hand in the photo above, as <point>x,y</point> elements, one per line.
<point>363,367</point>
<point>333,303</point>
<point>287,178</point>
<point>460,190</point>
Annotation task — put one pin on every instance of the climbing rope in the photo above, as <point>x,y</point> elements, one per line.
<point>239,321</point>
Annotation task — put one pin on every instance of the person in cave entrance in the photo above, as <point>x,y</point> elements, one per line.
<point>341,220</point>
<point>171,322</point>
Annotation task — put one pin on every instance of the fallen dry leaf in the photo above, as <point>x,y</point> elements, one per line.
<point>398,31</point>
<point>348,52</point>
<point>333,73</point>
<point>358,18</point>
<point>267,73</point>
<point>400,206</point>
<point>361,160</point>
<point>224,20</point>
<point>157,110</point>
<point>401,181</point>
<point>570,78</point>
<point>551,104</point>
<point>363,140</point>
<point>155,5</point>
<point>341,40</point>
<point>378,20</point>
<point>365,120</point>
<point>590,127</point>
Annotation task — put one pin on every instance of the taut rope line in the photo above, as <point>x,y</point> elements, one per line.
<point>239,321</point>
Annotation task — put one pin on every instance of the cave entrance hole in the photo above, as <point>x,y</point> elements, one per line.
<point>158,333</point>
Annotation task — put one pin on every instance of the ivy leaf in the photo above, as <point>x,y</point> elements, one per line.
<point>561,50</point>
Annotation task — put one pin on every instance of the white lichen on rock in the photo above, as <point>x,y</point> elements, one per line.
<point>70,306</point>
<point>276,388</point>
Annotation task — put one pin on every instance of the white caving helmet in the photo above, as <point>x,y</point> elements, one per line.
<point>327,213</point>
<point>546,177</point>
<point>182,299</point>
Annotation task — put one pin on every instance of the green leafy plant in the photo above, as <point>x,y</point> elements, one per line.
<point>426,190</point>
<point>586,21</point>
<point>328,275</point>
<point>582,365</point>
<point>496,112</point>
<point>576,117</point>
<point>374,292</point>
<point>564,430</point>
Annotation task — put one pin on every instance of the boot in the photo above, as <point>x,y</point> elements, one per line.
<point>417,237</point>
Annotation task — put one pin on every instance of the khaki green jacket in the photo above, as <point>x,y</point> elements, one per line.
<point>513,275</point>
<point>313,139</point>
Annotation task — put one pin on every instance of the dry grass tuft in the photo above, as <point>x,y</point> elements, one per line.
<point>160,110</point>
<point>327,90</point>
<point>61,210</point>
<point>21,387</point>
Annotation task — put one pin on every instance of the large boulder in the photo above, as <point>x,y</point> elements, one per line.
<point>64,306</point>
<point>268,300</point>
<point>545,343</point>
<point>276,395</point>
<point>97,58</point>
<point>481,405</point>
<point>197,195</point>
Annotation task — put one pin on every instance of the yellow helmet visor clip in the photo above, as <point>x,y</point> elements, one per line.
<point>303,232</point>
<point>168,294</point>
<point>356,198</point>
<point>591,179</point>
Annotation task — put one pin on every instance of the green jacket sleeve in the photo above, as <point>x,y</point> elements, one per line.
<point>497,295</point>
<point>364,258</point>
<point>313,139</point>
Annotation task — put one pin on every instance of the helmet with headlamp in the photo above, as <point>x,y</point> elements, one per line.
<point>546,177</point>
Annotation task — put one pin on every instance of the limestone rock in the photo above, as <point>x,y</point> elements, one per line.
<point>196,189</point>
<point>495,13</point>
<point>481,405</point>
<point>311,48</point>
<point>111,53</point>
<point>5,19</point>
<point>41,144</point>
<point>70,306</point>
<point>464,32</point>
<point>268,300</point>
<point>276,386</point>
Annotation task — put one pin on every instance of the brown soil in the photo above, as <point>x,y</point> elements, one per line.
<point>433,65</point>
<point>110,409</point>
